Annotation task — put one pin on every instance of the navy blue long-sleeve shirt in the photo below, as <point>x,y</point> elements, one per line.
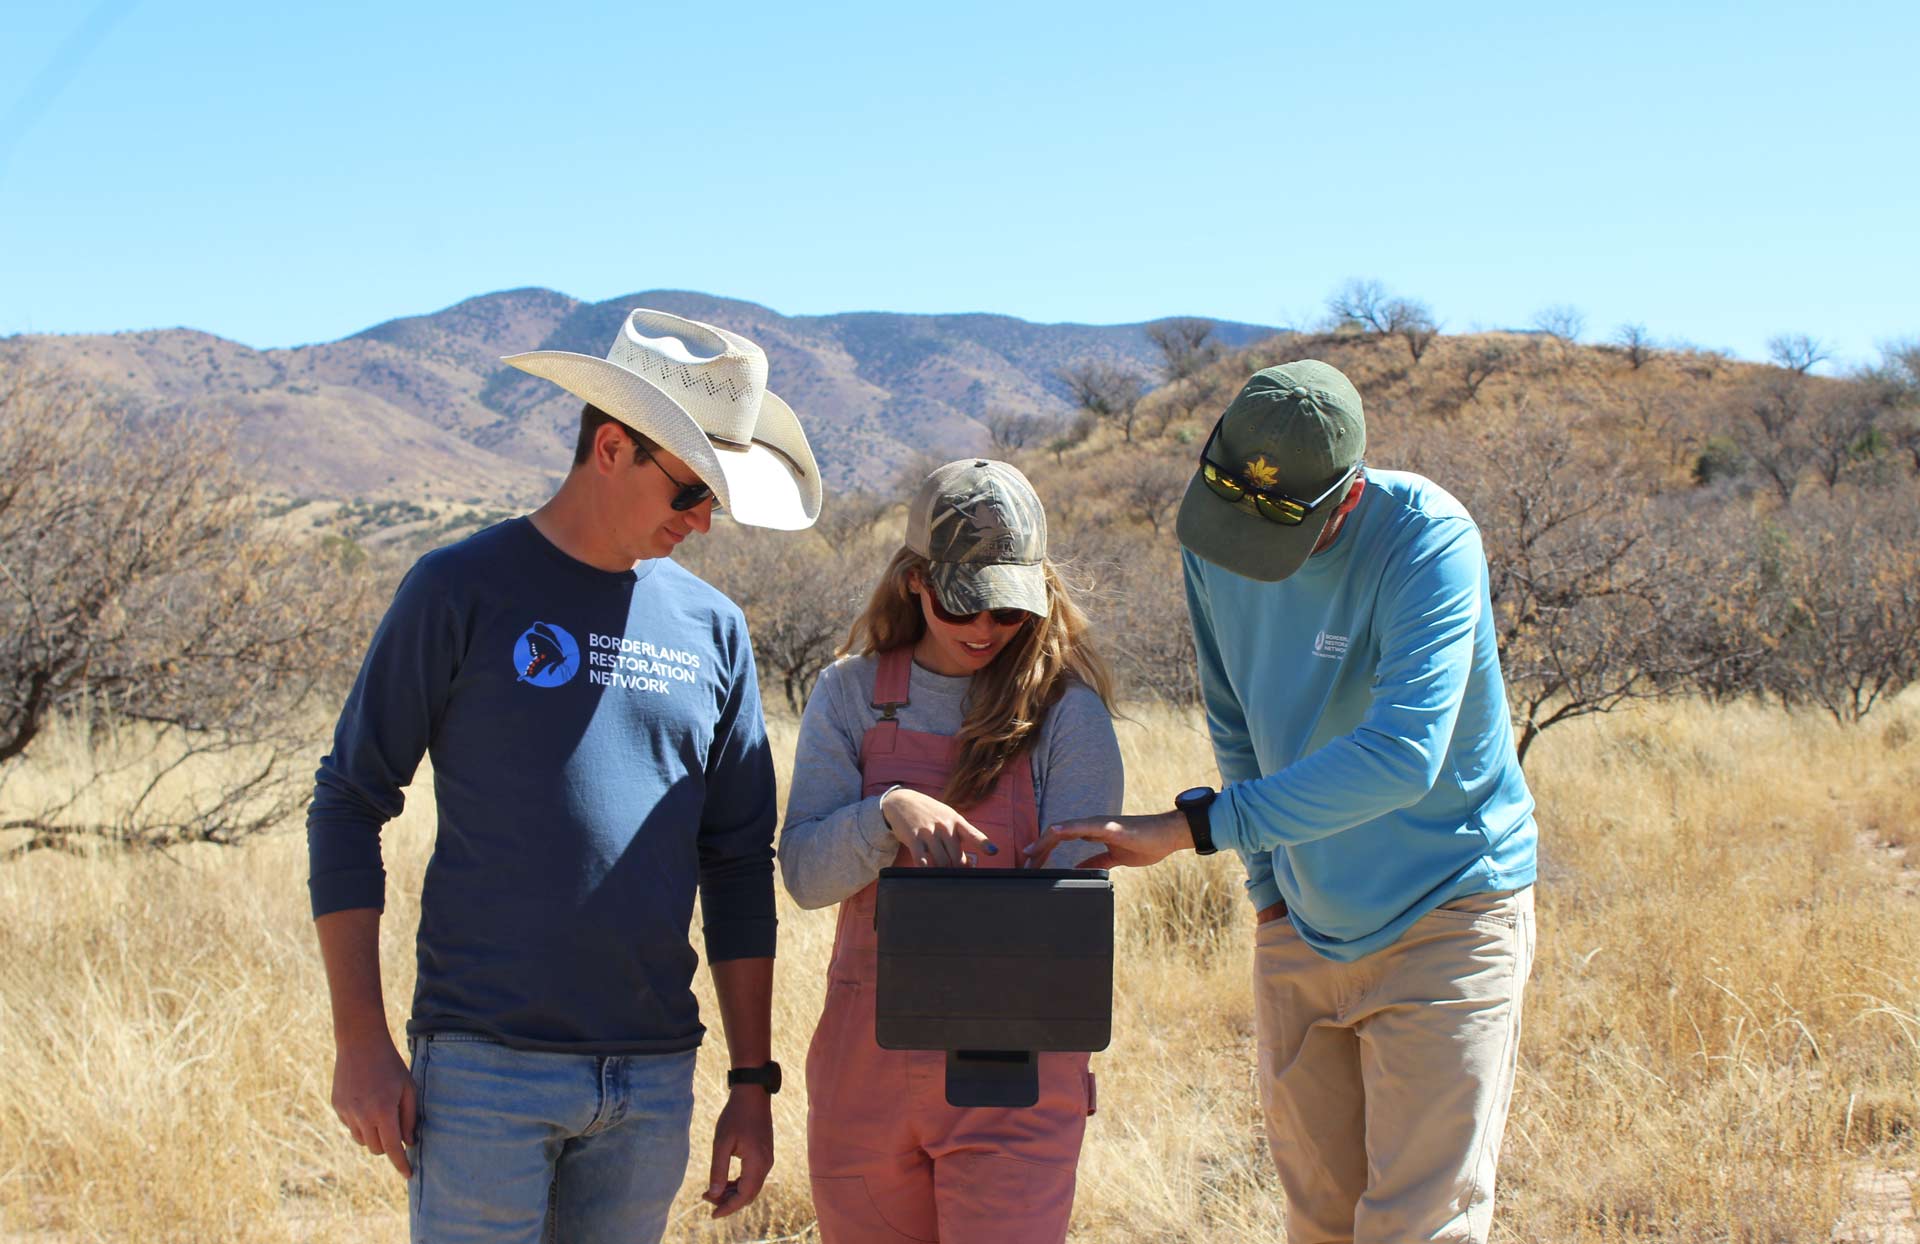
<point>598,750</point>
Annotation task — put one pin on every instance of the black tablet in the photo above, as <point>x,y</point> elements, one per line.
<point>994,959</point>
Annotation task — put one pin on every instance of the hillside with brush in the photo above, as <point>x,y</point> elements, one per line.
<point>420,409</point>
<point>1657,522</point>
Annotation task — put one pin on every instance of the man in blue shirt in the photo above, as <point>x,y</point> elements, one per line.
<point>1346,644</point>
<point>593,717</point>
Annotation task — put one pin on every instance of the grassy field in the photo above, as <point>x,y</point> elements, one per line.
<point>1722,1035</point>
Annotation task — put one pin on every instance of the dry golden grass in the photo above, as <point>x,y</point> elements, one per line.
<point>1723,1031</point>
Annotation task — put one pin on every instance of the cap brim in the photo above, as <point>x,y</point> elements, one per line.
<point>1235,538</point>
<point>774,482</point>
<point>968,587</point>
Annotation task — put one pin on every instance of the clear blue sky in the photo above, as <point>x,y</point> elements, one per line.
<point>282,174</point>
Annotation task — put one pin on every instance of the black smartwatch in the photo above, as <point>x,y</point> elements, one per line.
<point>767,1077</point>
<point>1195,803</point>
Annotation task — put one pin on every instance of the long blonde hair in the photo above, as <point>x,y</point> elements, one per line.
<point>1009,699</point>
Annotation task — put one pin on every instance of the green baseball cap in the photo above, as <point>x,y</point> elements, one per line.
<point>1293,433</point>
<point>981,528</point>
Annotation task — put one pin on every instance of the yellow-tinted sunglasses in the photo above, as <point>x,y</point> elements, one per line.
<point>1275,507</point>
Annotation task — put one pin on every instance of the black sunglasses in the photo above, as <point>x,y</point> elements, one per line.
<point>1001,617</point>
<point>689,495</point>
<point>1275,507</point>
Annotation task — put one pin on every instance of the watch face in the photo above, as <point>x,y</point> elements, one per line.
<point>1195,795</point>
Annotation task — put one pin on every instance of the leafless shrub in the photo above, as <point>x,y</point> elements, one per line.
<point>1657,412</point>
<point>1788,424</point>
<point>1365,305</point>
<point>1636,343</point>
<point>1797,352</point>
<point>1185,344</point>
<point>1479,364</point>
<point>1772,429</point>
<point>1584,599</point>
<point>142,597</point>
<point>852,516</point>
<point>1843,431</point>
<point>907,475</point>
<point>1182,400</point>
<point>1110,392</point>
<point>1562,322</point>
<point>1893,386</point>
<point>1148,486</point>
<point>1831,602</point>
<point>1415,325</point>
<point>1011,431</point>
<point>799,592</point>
<point>1133,592</point>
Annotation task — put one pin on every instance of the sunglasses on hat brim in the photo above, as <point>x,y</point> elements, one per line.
<point>1270,504</point>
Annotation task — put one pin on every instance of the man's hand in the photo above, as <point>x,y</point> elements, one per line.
<point>933,833</point>
<point>372,1092</point>
<point>373,1095</point>
<point>1130,841</point>
<point>744,1130</point>
<point>745,1127</point>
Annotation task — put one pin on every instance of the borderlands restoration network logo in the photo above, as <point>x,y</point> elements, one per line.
<point>546,655</point>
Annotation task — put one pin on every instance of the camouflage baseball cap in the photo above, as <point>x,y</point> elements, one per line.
<point>1293,433</point>
<point>981,526</point>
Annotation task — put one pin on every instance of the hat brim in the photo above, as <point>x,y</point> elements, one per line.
<point>774,482</point>
<point>1235,538</point>
<point>968,587</point>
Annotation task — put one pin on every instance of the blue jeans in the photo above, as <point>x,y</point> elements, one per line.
<point>520,1147</point>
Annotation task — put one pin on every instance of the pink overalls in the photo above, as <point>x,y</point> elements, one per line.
<point>891,1161</point>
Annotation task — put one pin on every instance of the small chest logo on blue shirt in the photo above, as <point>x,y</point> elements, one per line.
<point>545,655</point>
<point>1330,646</point>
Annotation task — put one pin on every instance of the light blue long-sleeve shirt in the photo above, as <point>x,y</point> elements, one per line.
<point>1360,723</point>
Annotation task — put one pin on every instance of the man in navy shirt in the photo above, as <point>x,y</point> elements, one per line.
<point>593,718</point>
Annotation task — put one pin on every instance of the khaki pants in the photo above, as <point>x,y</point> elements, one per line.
<point>1386,1081</point>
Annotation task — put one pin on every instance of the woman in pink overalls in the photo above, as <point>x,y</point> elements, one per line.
<point>966,712</point>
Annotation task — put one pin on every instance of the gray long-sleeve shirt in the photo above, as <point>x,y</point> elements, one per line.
<point>835,841</point>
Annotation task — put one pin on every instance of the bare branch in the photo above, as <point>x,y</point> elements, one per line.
<point>142,599</point>
<point>1365,305</point>
<point>1797,352</point>
<point>1109,392</point>
<point>1561,322</point>
<point>1185,344</point>
<point>1636,343</point>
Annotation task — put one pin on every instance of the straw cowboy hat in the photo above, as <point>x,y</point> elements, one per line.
<point>701,393</point>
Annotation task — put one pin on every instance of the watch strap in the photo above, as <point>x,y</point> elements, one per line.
<point>766,1076</point>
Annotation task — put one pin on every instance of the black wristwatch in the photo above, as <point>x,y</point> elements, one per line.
<point>767,1077</point>
<point>1195,803</point>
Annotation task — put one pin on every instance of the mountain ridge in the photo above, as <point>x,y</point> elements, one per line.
<point>420,405</point>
